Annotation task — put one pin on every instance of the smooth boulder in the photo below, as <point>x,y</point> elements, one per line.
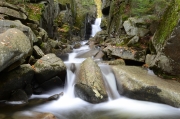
<point>138,83</point>
<point>90,85</point>
<point>14,46</point>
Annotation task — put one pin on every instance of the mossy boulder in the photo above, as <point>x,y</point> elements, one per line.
<point>90,85</point>
<point>166,41</point>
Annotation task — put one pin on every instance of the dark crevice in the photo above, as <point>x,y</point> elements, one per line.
<point>133,63</point>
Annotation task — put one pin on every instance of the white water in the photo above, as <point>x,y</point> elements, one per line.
<point>118,107</point>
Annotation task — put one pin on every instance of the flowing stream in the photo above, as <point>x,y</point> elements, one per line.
<point>117,107</point>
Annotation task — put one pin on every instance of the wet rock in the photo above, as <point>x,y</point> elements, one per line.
<point>137,83</point>
<point>126,53</point>
<point>15,79</point>
<point>87,54</point>
<point>19,95</point>
<point>52,83</point>
<point>32,115</point>
<point>77,45</point>
<point>38,53</point>
<point>73,67</point>
<point>12,47</point>
<point>55,97</point>
<point>115,62</point>
<point>90,86</point>
<point>48,67</point>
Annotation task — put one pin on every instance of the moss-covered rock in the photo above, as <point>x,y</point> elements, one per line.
<point>166,41</point>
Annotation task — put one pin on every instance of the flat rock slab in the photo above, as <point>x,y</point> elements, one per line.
<point>136,83</point>
<point>126,53</point>
<point>90,85</point>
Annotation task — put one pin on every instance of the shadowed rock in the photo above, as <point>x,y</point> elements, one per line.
<point>90,86</point>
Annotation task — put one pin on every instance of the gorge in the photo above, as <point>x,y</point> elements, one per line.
<point>60,69</point>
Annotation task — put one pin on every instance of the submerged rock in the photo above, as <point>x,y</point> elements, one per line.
<point>32,115</point>
<point>137,83</point>
<point>90,86</point>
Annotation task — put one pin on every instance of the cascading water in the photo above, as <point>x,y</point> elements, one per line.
<point>118,107</point>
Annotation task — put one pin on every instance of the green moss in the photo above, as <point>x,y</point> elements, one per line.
<point>87,2</point>
<point>168,22</point>
<point>34,11</point>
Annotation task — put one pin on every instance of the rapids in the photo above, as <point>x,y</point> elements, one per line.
<point>118,107</point>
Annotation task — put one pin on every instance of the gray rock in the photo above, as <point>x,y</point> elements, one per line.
<point>90,86</point>
<point>13,13</point>
<point>137,83</point>
<point>126,53</point>
<point>7,24</point>
<point>48,67</point>
<point>87,54</point>
<point>14,46</point>
<point>15,79</point>
<point>133,29</point>
<point>133,40</point>
<point>38,53</point>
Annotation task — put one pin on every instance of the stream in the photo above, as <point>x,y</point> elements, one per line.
<point>117,107</point>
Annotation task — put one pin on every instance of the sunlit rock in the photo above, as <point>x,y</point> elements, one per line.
<point>137,83</point>
<point>90,86</point>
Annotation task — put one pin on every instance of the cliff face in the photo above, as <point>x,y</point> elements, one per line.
<point>166,41</point>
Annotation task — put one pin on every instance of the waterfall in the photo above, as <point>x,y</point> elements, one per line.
<point>96,27</point>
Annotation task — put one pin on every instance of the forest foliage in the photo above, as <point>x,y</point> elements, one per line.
<point>144,7</point>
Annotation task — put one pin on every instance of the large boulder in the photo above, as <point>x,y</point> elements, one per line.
<point>48,67</point>
<point>90,86</point>
<point>166,41</point>
<point>7,24</point>
<point>16,79</point>
<point>126,53</point>
<point>14,46</point>
<point>138,83</point>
